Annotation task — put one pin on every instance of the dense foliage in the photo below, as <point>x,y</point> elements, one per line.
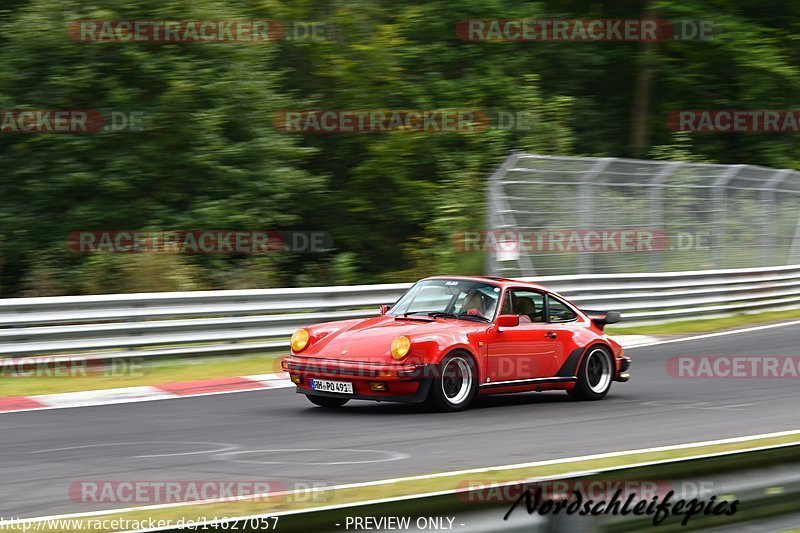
<point>211,158</point>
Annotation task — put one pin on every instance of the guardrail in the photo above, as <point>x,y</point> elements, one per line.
<point>749,477</point>
<point>764,482</point>
<point>743,475</point>
<point>214,322</point>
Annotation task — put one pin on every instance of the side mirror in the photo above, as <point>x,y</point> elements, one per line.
<point>384,309</point>
<point>507,321</point>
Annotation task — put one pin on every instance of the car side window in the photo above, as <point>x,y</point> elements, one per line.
<point>528,305</point>
<point>559,312</point>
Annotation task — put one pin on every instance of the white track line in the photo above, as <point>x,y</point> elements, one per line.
<point>451,491</point>
<point>140,394</point>
<point>482,470</point>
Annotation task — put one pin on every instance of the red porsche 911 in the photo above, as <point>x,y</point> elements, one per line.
<point>449,339</point>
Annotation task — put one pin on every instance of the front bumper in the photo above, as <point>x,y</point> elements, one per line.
<point>623,364</point>
<point>404,382</point>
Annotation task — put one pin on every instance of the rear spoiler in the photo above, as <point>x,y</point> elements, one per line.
<point>601,318</point>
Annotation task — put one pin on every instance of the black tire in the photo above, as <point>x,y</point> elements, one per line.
<point>595,375</point>
<point>455,384</point>
<point>327,401</point>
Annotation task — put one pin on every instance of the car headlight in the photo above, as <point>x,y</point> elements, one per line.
<point>400,347</point>
<point>300,339</point>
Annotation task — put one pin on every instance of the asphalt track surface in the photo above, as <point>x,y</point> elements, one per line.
<point>277,435</point>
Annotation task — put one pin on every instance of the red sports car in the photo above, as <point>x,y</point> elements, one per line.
<point>449,339</point>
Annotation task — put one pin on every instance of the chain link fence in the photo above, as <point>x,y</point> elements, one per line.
<point>581,215</point>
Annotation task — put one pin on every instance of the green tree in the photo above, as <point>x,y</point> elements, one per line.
<point>208,157</point>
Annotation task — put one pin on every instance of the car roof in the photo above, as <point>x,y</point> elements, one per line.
<point>500,282</point>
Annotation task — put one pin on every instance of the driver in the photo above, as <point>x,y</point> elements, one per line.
<point>480,304</point>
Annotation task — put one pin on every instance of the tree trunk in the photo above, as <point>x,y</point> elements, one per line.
<point>642,95</point>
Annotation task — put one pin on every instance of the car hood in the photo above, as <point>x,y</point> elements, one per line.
<point>370,339</point>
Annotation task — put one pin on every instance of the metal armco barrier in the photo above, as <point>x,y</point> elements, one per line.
<point>730,476</point>
<point>215,322</point>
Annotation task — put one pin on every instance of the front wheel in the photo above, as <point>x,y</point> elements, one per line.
<point>327,401</point>
<point>594,375</point>
<point>455,385</point>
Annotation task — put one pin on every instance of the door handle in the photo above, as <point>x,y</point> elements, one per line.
<point>550,335</point>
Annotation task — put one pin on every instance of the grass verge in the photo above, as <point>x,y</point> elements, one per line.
<point>699,325</point>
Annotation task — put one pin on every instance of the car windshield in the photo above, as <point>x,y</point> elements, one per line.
<point>449,297</point>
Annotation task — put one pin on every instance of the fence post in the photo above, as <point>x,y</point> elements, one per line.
<point>769,214</point>
<point>719,201</point>
<point>657,207</point>
<point>494,216</point>
<point>586,208</point>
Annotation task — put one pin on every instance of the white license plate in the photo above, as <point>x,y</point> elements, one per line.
<point>324,385</point>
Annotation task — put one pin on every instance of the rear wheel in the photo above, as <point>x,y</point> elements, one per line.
<point>594,375</point>
<point>327,401</point>
<point>455,385</point>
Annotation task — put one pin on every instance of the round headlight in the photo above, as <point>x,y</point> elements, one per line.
<point>400,347</point>
<point>300,339</point>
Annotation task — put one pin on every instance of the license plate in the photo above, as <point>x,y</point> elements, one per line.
<point>324,385</point>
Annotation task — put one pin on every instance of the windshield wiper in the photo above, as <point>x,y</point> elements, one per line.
<point>463,316</point>
<point>479,318</point>
<point>410,313</point>
<point>442,314</point>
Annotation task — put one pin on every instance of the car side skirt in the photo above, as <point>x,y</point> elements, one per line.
<point>525,382</point>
